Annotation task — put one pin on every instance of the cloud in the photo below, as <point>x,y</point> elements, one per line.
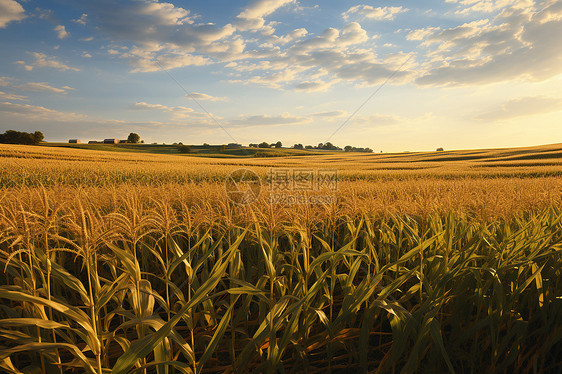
<point>252,18</point>
<point>33,86</point>
<point>377,120</point>
<point>292,36</point>
<point>61,32</point>
<point>202,96</point>
<point>520,107</point>
<point>335,113</point>
<point>164,32</point>
<point>44,61</point>
<point>146,61</point>
<point>5,81</point>
<point>267,120</point>
<point>145,106</point>
<point>421,34</point>
<point>317,62</point>
<point>8,96</point>
<point>313,86</point>
<point>177,113</point>
<point>41,87</point>
<point>351,34</point>
<point>10,11</point>
<point>86,55</point>
<point>372,13</point>
<point>82,20</point>
<point>489,6</point>
<point>516,44</point>
<point>34,112</point>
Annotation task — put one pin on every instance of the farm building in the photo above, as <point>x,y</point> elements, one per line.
<point>122,141</point>
<point>111,141</point>
<point>94,142</point>
<point>75,141</point>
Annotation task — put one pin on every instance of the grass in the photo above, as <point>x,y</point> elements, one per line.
<point>130,262</point>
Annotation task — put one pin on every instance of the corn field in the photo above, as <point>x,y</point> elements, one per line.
<point>148,290</point>
<point>147,268</point>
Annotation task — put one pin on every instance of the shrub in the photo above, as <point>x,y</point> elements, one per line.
<point>184,148</point>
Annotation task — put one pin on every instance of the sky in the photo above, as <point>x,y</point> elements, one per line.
<point>390,75</point>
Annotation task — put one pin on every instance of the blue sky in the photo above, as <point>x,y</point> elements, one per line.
<point>465,73</point>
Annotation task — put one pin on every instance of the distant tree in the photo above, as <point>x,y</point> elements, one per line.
<point>348,148</point>
<point>253,145</point>
<point>440,149</point>
<point>309,147</point>
<point>205,144</point>
<point>264,145</point>
<point>278,145</point>
<point>38,137</point>
<point>133,138</point>
<point>184,148</point>
<point>298,146</point>
<point>20,137</point>
<point>222,148</point>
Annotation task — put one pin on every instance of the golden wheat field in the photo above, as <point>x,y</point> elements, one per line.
<point>139,263</point>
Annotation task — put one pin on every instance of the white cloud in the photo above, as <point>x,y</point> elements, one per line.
<point>421,34</point>
<point>34,112</point>
<point>33,86</point>
<point>489,6</point>
<point>370,12</point>
<point>516,44</point>
<point>252,18</point>
<point>267,120</point>
<point>41,87</point>
<point>82,20</point>
<point>86,55</point>
<point>202,96</point>
<point>293,35</point>
<point>160,30</point>
<point>177,113</point>
<point>61,32</point>
<point>149,61</point>
<point>44,61</point>
<point>9,96</point>
<point>524,106</point>
<point>10,11</point>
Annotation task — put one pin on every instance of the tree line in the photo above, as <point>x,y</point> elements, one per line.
<point>324,146</point>
<point>21,137</point>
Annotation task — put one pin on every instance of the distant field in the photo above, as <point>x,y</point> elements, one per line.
<point>197,150</point>
<point>127,259</point>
